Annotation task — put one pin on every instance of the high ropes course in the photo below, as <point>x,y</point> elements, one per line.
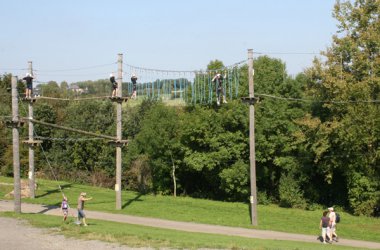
<point>188,86</point>
<point>198,86</point>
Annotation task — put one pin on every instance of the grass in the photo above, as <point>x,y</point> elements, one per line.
<point>141,236</point>
<point>202,211</point>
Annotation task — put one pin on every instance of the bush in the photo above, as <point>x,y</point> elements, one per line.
<point>363,194</point>
<point>262,198</point>
<point>290,193</point>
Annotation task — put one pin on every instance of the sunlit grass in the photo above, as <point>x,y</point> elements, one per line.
<point>141,236</point>
<point>188,209</point>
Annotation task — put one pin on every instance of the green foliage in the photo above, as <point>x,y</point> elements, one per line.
<point>234,181</point>
<point>362,194</point>
<point>345,143</point>
<point>290,193</point>
<point>215,65</point>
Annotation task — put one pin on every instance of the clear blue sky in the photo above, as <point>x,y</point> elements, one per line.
<point>161,34</point>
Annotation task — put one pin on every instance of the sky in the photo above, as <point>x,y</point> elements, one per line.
<point>74,40</point>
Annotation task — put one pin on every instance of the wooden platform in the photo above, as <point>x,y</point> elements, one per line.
<point>31,100</point>
<point>32,142</point>
<point>12,124</point>
<point>120,143</point>
<point>118,99</point>
<point>250,100</point>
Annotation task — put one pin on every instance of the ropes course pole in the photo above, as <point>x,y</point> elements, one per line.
<point>16,151</point>
<point>118,132</point>
<point>31,145</point>
<point>209,88</point>
<point>253,197</point>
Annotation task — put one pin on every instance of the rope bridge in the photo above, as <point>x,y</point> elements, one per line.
<point>183,86</point>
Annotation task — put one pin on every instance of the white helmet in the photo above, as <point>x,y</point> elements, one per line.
<point>133,75</point>
<point>111,75</point>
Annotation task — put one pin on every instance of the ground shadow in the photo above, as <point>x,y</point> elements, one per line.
<point>57,190</point>
<point>47,208</point>
<point>137,198</point>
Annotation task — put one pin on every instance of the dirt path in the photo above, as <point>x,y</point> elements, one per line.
<point>18,235</point>
<point>188,226</point>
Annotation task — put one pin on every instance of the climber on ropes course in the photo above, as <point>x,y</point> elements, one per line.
<point>218,80</point>
<point>114,85</point>
<point>134,82</point>
<point>29,85</point>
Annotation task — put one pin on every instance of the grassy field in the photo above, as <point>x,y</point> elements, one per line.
<point>141,236</point>
<point>202,211</point>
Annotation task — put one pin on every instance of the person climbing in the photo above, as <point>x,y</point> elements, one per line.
<point>65,208</point>
<point>29,85</point>
<point>134,82</point>
<point>218,80</point>
<point>114,85</point>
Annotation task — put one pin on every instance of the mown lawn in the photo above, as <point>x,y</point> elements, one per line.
<point>202,211</point>
<point>141,236</point>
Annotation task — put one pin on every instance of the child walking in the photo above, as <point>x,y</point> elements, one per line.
<point>65,208</point>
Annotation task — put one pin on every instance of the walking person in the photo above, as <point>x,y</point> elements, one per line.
<point>332,230</point>
<point>218,80</point>
<point>323,225</point>
<point>114,85</point>
<point>134,83</point>
<point>81,215</point>
<point>65,208</point>
<point>29,85</point>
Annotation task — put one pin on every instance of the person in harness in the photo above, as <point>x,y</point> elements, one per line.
<point>134,82</point>
<point>218,80</point>
<point>114,85</point>
<point>29,85</point>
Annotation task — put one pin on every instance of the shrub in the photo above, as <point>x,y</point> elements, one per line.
<point>290,193</point>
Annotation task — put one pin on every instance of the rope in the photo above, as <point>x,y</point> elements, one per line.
<point>77,69</point>
<point>71,129</point>
<point>319,101</point>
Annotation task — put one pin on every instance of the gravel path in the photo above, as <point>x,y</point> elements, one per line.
<point>18,235</point>
<point>153,222</point>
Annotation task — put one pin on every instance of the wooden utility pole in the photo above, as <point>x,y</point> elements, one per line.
<point>252,153</point>
<point>16,152</point>
<point>118,131</point>
<point>31,143</point>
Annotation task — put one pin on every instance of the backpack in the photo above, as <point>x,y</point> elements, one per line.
<point>337,218</point>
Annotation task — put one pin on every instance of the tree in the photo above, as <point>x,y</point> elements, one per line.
<point>158,142</point>
<point>347,148</point>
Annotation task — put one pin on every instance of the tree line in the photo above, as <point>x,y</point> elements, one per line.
<point>317,134</point>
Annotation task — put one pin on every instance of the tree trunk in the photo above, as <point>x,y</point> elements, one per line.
<point>174,179</point>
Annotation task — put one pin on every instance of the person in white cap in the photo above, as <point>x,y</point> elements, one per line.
<point>114,85</point>
<point>29,85</point>
<point>332,229</point>
<point>218,80</point>
<point>81,215</point>
<point>134,82</point>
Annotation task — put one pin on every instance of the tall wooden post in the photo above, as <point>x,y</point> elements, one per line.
<point>118,132</point>
<point>252,153</point>
<point>16,152</point>
<point>31,144</point>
